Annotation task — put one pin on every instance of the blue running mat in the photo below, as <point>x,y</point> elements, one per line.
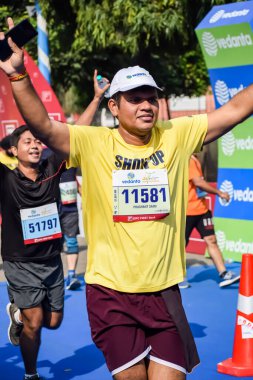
<point>68,353</point>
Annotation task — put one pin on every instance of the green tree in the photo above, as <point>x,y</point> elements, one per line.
<point>111,34</point>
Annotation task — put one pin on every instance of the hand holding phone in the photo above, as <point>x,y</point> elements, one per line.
<point>20,34</point>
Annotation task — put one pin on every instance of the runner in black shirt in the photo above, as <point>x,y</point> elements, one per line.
<point>31,244</point>
<point>32,239</point>
<point>19,192</point>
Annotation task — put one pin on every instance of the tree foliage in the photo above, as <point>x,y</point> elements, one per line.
<point>111,34</point>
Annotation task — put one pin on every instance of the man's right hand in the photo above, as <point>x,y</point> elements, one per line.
<point>15,64</point>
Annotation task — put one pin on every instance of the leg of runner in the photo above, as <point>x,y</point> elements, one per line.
<point>30,337</point>
<point>226,277</point>
<point>215,253</point>
<point>155,371</point>
<point>33,320</point>
<point>162,372</point>
<point>52,319</point>
<point>137,371</point>
<point>72,251</point>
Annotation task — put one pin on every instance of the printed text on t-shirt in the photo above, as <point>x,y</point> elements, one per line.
<point>125,163</point>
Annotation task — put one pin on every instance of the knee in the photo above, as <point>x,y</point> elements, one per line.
<point>211,240</point>
<point>71,244</point>
<point>55,325</point>
<point>33,326</point>
<point>53,321</point>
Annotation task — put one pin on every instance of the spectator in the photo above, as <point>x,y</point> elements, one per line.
<point>200,217</point>
<point>69,219</point>
<point>69,187</point>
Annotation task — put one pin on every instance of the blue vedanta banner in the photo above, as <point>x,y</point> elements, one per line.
<point>228,14</point>
<point>238,183</point>
<point>226,82</point>
<point>236,147</point>
<point>226,39</point>
<point>226,35</point>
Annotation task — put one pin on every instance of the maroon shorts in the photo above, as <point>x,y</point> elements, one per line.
<point>128,327</point>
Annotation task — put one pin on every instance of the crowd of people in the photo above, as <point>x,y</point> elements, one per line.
<point>134,204</point>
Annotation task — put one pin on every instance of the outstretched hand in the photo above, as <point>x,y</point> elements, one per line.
<point>98,91</point>
<point>225,195</point>
<point>15,63</point>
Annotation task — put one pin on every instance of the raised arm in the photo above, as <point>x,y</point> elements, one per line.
<point>203,185</point>
<point>54,134</point>
<point>239,108</point>
<point>87,116</point>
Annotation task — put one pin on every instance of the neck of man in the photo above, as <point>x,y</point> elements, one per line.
<point>135,139</point>
<point>29,170</point>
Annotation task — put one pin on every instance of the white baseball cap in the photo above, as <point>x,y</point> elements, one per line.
<point>130,78</point>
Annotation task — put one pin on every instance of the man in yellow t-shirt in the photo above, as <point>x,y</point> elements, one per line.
<point>200,217</point>
<point>135,191</point>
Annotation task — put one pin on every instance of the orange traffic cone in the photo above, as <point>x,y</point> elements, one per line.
<point>241,364</point>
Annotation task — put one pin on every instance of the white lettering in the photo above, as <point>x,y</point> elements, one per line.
<point>221,14</point>
<point>234,41</point>
<point>244,144</point>
<point>234,91</point>
<point>243,195</point>
<point>244,12</point>
<point>239,246</point>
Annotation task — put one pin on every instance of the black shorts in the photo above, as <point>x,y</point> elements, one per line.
<point>31,284</point>
<point>70,223</point>
<point>203,223</point>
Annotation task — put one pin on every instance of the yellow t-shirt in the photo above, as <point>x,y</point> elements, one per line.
<point>143,256</point>
<point>11,162</point>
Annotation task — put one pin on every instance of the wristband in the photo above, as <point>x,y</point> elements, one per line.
<point>18,77</point>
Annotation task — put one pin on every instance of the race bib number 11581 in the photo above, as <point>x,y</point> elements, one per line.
<point>140,195</point>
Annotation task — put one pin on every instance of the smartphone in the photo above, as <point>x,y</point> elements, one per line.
<point>20,34</point>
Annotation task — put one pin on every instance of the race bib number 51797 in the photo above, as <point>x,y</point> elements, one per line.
<point>40,223</point>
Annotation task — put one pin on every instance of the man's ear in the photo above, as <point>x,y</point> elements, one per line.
<point>14,151</point>
<point>113,107</point>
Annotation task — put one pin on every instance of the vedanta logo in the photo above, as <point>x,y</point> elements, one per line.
<point>223,93</point>
<point>239,246</point>
<point>229,144</point>
<point>227,187</point>
<point>221,14</point>
<point>212,44</point>
<point>132,181</point>
<point>221,239</point>
<point>136,75</point>
<point>236,195</point>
